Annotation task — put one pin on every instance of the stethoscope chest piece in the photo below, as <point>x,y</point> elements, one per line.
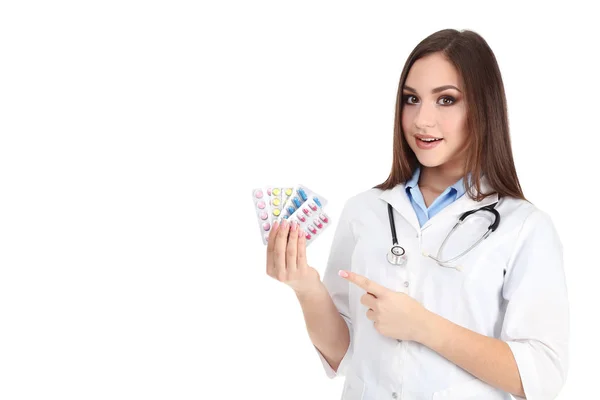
<point>397,255</point>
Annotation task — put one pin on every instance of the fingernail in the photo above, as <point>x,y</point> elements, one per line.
<point>342,273</point>
<point>300,233</point>
<point>275,225</point>
<point>284,224</point>
<point>294,226</point>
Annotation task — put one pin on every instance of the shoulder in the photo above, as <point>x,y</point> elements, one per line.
<point>525,215</point>
<point>361,200</point>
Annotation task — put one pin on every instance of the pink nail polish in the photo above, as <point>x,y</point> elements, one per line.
<point>342,273</point>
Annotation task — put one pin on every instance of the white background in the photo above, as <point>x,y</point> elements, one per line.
<point>132,133</point>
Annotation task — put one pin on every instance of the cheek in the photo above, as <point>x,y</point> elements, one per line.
<point>407,118</point>
<point>453,125</point>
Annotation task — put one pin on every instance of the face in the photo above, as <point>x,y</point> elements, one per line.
<point>434,112</point>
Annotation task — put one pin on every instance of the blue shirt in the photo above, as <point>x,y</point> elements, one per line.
<point>416,197</point>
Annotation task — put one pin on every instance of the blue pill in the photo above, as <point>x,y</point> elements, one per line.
<point>316,199</point>
<point>297,202</point>
<point>291,210</point>
<point>302,194</point>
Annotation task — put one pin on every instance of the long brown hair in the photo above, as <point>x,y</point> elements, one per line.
<point>489,149</point>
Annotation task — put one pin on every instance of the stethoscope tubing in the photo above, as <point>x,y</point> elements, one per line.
<point>394,258</point>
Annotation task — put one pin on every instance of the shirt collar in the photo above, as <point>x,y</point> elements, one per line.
<point>398,198</point>
<point>414,181</point>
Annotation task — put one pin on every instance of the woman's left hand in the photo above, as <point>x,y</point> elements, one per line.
<point>394,314</point>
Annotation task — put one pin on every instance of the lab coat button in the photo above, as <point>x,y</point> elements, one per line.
<point>406,284</point>
<point>394,395</point>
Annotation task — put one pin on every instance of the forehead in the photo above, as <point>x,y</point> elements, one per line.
<point>432,71</point>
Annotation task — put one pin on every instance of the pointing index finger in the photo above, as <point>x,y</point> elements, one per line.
<point>364,283</point>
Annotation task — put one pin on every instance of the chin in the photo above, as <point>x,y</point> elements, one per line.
<point>431,162</point>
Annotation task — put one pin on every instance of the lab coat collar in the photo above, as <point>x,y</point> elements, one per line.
<point>398,198</point>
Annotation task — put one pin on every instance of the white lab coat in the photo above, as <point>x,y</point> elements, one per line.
<point>511,287</point>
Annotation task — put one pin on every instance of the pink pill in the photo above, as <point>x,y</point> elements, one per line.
<point>307,235</point>
<point>312,229</point>
<point>258,194</point>
<point>324,218</point>
<point>261,204</point>
<point>305,211</point>
<point>266,226</point>
<point>264,215</point>
<point>269,191</point>
<point>301,217</point>
<point>318,224</point>
<point>313,206</point>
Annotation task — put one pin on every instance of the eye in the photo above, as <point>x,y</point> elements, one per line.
<point>408,99</point>
<point>447,101</point>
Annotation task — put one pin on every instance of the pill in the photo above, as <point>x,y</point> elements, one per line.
<point>297,202</point>
<point>316,199</point>
<point>264,215</point>
<point>269,191</point>
<point>276,212</point>
<point>301,217</point>
<point>302,194</point>
<point>291,210</point>
<point>266,226</point>
<point>258,194</point>
<point>324,218</point>
<point>276,192</point>
<point>288,192</point>
<point>312,229</point>
<point>305,210</point>
<point>261,204</point>
<point>318,223</point>
<point>307,236</point>
<point>276,202</point>
<point>313,206</point>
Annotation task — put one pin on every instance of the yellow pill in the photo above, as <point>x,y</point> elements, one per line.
<point>276,192</point>
<point>276,212</point>
<point>276,202</point>
<point>288,192</point>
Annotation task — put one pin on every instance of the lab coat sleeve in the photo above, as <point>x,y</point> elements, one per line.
<point>340,256</point>
<point>536,322</point>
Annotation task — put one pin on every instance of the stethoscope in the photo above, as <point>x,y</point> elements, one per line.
<point>397,254</point>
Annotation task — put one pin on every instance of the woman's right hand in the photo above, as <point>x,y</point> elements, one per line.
<point>286,258</point>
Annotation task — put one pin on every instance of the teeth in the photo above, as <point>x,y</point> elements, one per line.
<point>430,140</point>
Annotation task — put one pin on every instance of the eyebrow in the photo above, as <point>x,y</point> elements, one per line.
<point>436,90</point>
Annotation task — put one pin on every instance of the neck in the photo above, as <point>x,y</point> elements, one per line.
<point>437,179</point>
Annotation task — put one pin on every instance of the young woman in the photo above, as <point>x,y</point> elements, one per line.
<point>434,317</point>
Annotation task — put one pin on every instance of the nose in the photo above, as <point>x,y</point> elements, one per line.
<point>425,117</point>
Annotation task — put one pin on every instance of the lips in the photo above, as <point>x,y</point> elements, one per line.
<point>427,142</point>
<point>427,138</point>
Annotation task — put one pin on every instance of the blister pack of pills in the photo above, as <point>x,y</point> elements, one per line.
<point>294,203</point>
<point>277,196</point>
<point>263,212</point>
<point>298,197</point>
<point>311,218</point>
